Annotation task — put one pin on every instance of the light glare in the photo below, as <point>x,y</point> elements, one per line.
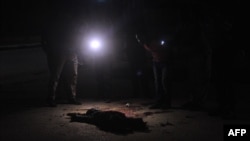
<point>162,42</point>
<point>95,44</point>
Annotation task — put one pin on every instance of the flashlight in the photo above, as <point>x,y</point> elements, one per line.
<point>95,44</point>
<point>162,42</point>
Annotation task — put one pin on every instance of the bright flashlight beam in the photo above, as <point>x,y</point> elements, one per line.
<point>95,44</point>
<point>162,42</point>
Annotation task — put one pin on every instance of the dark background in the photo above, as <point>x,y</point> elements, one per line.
<point>196,28</point>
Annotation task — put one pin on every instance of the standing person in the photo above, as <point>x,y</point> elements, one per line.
<point>137,59</point>
<point>161,55</point>
<point>223,75</point>
<point>102,54</point>
<point>195,58</point>
<point>223,58</point>
<point>103,76</point>
<point>224,72</point>
<point>103,72</point>
<point>61,48</point>
<point>136,55</point>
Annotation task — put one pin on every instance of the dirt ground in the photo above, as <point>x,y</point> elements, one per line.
<point>34,121</point>
<point>46,123</point>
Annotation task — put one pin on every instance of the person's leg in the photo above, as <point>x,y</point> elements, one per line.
<point>107,76</point>
<point>158,80</point>
<point>226,95</point>
<point>167,86</point>
<point>196,83</point>
<point>132,77</point>
<point>55,64</point>
<point>142,80</point>
<point>159,90</point>
<point>103,78</point>
<point>71,78</point>
<point>145,84</point>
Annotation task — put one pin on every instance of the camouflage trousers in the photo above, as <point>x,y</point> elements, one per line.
<point>62,66</point>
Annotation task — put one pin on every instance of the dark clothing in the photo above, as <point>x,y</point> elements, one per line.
<point>223,75</point>
<point>138,67</point>
<point>61,47</point>
<point>139,75</point>
<point>62,34</point>
<point>158,52</point>
<point>102,66</point>
<point>103,76</point>
<point>62,67</point>
<point>223,69</point>
<point>161,62</point>
<point>162,82</point>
